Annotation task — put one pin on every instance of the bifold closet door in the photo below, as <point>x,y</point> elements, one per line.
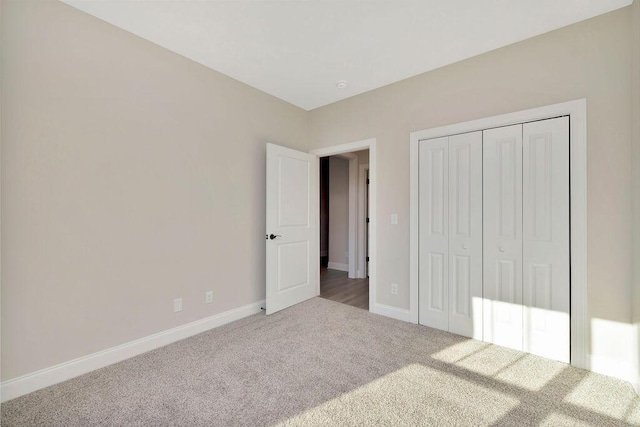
<point>433,230</point>
<point>465,234</point>
<point>502,232</point>
<point>450,223</point>
<point>546,275</point>
<point>494,236</point>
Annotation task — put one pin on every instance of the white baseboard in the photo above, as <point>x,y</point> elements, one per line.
<point>338,266</point>
<point>393,312</point>
<point>28,383</point>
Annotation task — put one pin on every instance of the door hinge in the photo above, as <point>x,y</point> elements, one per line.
<point>367,220</point>
<point>367,181</point>
<point>367,259</point>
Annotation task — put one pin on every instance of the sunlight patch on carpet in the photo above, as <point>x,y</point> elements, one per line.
<point>509,366</point>
<point>591,395</point>
<point>531,372</point>
<point>414,392</point>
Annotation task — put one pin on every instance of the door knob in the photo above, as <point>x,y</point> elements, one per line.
<point>273,236</point>
<point>465,246</point>
<point>501,249</point>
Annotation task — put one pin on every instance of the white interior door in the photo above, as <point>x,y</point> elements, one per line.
<point>502,233</point>
<point>434,229</point>
<point>292,233</point>
<point>465,234</point>
<point>546,278</point>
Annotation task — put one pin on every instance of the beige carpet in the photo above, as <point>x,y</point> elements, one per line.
<point>325,363</point>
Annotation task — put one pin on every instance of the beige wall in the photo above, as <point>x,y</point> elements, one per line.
<point>338,210</point>
<point>587,60</point>
<point>130,176</point>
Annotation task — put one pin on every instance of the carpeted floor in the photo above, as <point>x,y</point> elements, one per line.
<point>325,363</point>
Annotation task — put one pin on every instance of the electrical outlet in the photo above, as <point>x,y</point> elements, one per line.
<point>208,297</point>
<point>394,289</point>
<point>177,305</point>
<point>394,219</point>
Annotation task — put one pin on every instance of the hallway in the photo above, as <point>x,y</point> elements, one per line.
<point>336,286</point>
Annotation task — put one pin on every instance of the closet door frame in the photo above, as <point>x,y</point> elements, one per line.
<point>577,112</point>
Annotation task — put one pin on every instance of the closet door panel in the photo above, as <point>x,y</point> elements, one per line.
<point>546,278</point>
<point>502,232</point>
<point>433,230</point>
<point>465,234</point>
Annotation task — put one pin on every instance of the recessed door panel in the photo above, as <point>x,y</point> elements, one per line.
<point>433,225</point>
<point>546,240</point>
<point>293,265</point>
<point>502,233</point>
<point>437,281</point>
<point>507,149</point>
<point>294,176</point>
<point>461,286</point>
<point>465,234</point>
<point>460,187</point>
<point>437,189</point>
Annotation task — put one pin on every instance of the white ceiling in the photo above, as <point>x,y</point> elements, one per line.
<point>298,50</point>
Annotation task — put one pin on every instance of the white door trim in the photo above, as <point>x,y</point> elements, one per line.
<point>352,268</point>
<point>577,110</point>
<point>362,224</point>
<point>365,144</point>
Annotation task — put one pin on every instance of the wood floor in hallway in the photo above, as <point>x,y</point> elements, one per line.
<point>336,286</point>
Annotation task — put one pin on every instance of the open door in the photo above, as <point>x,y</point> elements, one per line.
<point>292,227</point>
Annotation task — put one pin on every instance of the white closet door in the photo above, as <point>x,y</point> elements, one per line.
<point>546,279</point>
<point>502,232</point>
<point>465,234</point>
<point>433,229</point>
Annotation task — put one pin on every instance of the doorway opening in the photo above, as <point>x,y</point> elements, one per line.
<point>344,228</point>
<point>344,232</point>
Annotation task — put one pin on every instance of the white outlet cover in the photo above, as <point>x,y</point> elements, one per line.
<point>394,288</point>
<point>177,305</point>
<point>394,219</point>
<point>208,297</point>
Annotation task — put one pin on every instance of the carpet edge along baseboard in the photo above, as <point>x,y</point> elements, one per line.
<point>46,377</point>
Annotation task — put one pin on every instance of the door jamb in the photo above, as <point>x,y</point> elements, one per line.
<point>365,144</point>
<point>362,225</point>
<point>353,214</point>
<point>577,112</point>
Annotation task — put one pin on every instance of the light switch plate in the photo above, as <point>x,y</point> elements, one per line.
<point>394,219</point>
